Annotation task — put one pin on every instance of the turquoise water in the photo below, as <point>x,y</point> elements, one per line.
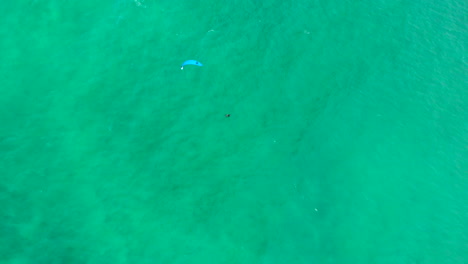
<point>347,140</point>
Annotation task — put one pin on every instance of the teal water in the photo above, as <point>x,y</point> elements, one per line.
<point>347,140</point>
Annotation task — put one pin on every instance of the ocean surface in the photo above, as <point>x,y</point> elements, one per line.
<point>347,140</point>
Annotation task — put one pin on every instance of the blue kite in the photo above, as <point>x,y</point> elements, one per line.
<point>190,62</point>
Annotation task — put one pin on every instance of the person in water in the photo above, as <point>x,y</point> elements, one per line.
<point>227,115</point>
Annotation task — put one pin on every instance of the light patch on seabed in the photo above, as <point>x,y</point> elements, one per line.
<point>140,3</point>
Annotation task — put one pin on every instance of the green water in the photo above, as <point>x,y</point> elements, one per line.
<point>347,140</point>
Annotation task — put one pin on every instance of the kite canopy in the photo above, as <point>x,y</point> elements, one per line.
<point>191,62</point>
